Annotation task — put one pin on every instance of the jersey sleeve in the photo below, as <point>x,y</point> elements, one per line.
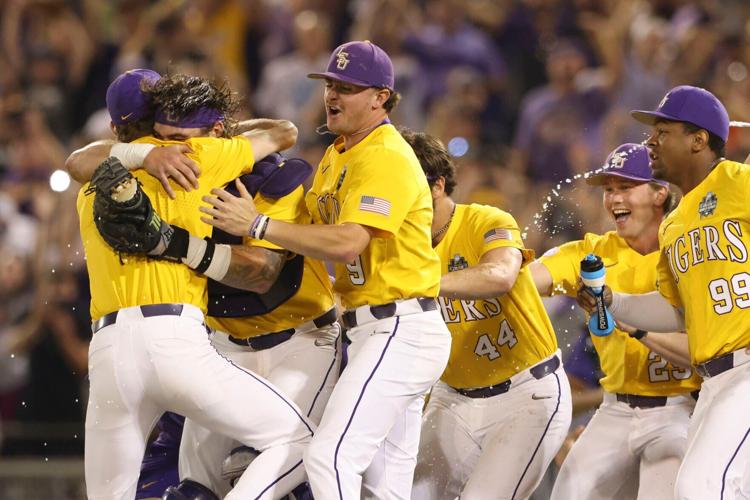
<point>665,282</point>
<point>222,160</point>
<point>564,265</point>
<point>289,208</point>
<point>381,190</point>
<point>498,229</point>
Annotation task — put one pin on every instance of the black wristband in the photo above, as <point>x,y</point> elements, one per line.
<point>177,249</point>
<point>638,334</point>
<point>208,256</point>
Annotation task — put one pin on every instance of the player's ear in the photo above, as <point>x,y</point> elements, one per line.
<point>661,196</point>
<point>700,141</point>
<point>218,129</point>
<point>381,96</point>
<point>438,187</point>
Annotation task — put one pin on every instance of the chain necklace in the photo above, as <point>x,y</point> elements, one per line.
<point>443,229</point>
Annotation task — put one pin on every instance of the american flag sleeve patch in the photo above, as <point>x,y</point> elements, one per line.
<point>497,234</point>
<point>375,205</point>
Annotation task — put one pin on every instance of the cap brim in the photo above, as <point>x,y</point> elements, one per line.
<point>598,179</point>
<point>339,78</point>
<point>651,117</point>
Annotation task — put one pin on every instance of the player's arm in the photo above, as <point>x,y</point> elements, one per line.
<point>542,278</point>
<point>648,311</point>
<point>672,346</point>
<point>253,268</point>
<point>238,215</point>
<point>270,136</point>
<point>164,163</point>
<point>494,276</point>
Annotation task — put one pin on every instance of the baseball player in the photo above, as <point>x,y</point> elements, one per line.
<point>287,334</point>
<point>304,368</point>
<point>150,352</point>
<point>502,408</point>
<point>703,286</point>
<point>371,210</point>
<point>633,445</point>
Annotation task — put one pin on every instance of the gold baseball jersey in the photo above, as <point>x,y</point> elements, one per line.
<point>125,281</point>
<point>314,296</point>
<point>629,367</point>
<point>703,266</point>
<point>493,339</point>
<point>380,184</point>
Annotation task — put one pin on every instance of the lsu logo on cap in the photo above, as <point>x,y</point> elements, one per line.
<point>618,160</point>
<point>342,59</point>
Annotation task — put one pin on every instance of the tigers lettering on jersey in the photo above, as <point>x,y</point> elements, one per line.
<point>460,311</point>
<point>493,339</point>
<point>379,183</point>
<point>707,243</point>
<point>628,366</point>
<point>703,266</point>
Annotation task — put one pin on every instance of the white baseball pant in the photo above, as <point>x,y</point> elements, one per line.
<point>305,368</point>
<point>717,461</point>
<point>497,447</point>
<point>627,453</point>
<point>140,367</point>
<point>378,401</point>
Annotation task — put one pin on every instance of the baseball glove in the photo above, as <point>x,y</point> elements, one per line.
<point>126,219</point>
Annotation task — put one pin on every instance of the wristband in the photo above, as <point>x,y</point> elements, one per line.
<point>262,228</point>
<point>638,334</point>
<point>208,256</point>
<point>131,155</point>
<point>258,227</point>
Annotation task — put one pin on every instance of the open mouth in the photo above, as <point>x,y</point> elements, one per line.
<point>333,111</point>
<point>621,215</point>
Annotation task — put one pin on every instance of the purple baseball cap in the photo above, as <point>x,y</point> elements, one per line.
<point>359,63</point>
<point>126,102</point>
<point>627,161</point>
<point>693,105</point>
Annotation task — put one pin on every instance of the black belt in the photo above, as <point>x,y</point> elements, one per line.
<point>269,340</point>
<point>147,311</point>
<point>715,366</point>
<point>539,371</point>
<point>637,401</point>
<point>349,318</point>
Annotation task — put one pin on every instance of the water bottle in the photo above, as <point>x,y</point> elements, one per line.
<point>601,323</point>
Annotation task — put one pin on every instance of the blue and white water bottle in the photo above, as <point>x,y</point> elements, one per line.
<point>601,323</point>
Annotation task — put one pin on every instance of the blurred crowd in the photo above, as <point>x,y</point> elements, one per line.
<point>527,94</point>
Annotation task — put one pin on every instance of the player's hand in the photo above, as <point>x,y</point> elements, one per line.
<point>170,162</point>
<point>233,214</point>
<point>624,327</point>
<point>586,299</point>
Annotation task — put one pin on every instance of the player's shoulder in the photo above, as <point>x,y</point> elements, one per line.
<point>488,212</point>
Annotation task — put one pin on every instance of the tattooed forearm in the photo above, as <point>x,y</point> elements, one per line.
<point>253,268</point>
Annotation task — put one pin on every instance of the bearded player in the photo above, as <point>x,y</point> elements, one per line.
<point>188,368</point>
<point>703,284</point>
<point>633,446</point>
<point>502,408</point>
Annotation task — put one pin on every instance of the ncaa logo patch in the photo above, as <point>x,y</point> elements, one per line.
<point>457,263</point>
<point>342,59</point>
<point>707,206</point>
